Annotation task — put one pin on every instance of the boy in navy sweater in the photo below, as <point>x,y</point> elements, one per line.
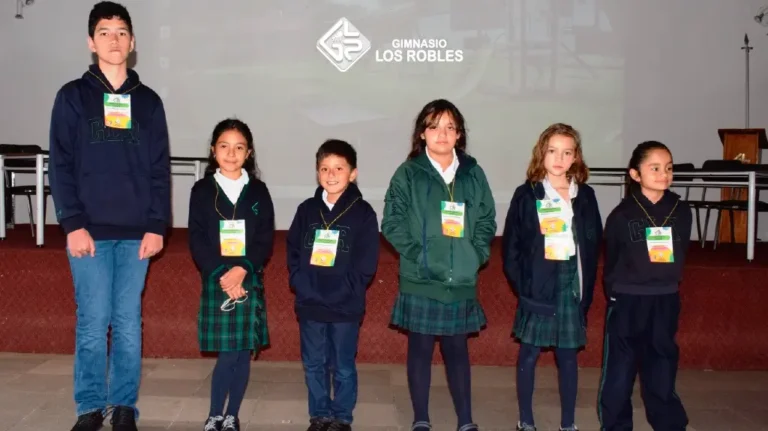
<point>333,252</point>
<point>109,171</point>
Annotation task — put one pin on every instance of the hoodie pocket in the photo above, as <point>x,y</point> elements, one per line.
<point>335,290</point>
<point>466,262</point>
<point>115,199</point>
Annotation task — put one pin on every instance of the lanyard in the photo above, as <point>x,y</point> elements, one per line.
<point>109,89</point>
<point>649,217</point>
<point>216,202</point>
<point>328,225</point>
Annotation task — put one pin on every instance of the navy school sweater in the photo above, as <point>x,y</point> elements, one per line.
<point>534,278</point>
<point>254,206</point>
<point>628,269</point>
<point>115,183</point>
<point>337,293</point>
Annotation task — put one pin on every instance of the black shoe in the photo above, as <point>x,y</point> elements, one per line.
<point>230,423</point>
<point>89,422</point>
<point>213,423</point>
<point>469,427</point>
<point>525,427</point>
<point>421,426</point>
<point>319,424</point>
<point>124,419</point>
<point>339,426</point>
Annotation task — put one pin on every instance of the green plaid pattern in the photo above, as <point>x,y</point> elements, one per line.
<point>565,329</point>
<point>432,317</point>
<point>243,328</point>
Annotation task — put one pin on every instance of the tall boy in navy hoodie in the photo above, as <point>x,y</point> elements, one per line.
<point>333,252</point>
<point>109,171</point>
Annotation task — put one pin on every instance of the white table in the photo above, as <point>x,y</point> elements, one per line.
<point>41,169</point>
<point>750,182</point>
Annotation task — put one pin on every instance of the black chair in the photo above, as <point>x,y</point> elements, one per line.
<point>28,191</point>
<point>737,204</point>
<point>686,195</point>
<point>734,194</point>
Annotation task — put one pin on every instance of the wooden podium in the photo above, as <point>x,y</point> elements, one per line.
<point>745,145</point>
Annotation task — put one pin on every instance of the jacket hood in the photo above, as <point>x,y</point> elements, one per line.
<point>95,77</point>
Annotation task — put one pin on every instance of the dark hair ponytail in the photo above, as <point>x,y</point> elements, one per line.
<point>639,155</point>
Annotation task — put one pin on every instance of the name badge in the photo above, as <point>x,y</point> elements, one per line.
<point>232,237</point>
<point>659,242</point>
<point>452,218</point>
<point>557,246</point>
<point>324,247</point>
<point>555,229</point>
<point>117,111</point>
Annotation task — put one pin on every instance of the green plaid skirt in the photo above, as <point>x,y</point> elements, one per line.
<point>431,317</point>
<point>565,328</point>
<point>243,328</point>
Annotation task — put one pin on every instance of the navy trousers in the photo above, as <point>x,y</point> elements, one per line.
<point>640,336</point>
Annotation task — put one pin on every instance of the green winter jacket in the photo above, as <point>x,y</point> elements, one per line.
<point>431,264</point>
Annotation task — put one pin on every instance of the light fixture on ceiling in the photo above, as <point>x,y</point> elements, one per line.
<point>20,4</point>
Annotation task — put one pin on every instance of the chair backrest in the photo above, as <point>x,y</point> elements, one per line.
<point>726,166</point>
<point>684,167</point>
<point>20,149</point>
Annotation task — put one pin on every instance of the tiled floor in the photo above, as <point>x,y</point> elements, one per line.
<point>36,394</point>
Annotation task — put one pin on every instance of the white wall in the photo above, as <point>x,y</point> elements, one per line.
<point>676,74</point>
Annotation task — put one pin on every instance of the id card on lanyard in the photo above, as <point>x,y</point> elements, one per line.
<point>324,248</point>
<point>232,237</point>
<point>452,218</point>
<point>659,239</point>
<point>659,242</point>
<point>231,232</point>
<point>554,228</point>
<point>452,214</point>
<point>326,244</point>
<point>117,111</point>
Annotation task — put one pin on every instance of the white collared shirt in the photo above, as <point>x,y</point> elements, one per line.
<point>231,188</point>
<point>325,199</point>
<point>573,191</point>
<point>450,171</point>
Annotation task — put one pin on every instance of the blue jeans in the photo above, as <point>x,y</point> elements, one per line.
<point>330,348</point>
<point>108,291</point>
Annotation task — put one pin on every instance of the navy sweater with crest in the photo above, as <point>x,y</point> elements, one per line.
<point>628,268</point>
<point>208,204</point>
<point>337,293</point>
<point>115,183</point>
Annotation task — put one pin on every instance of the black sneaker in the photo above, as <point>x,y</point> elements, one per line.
<point>89,422</point>
<point>525,427</point>
<point>319,424</point>
<point>213,423</point>
<point>124,419</point>
<point>421,426</point>
<point>339,426</point>
<point>230,423</point>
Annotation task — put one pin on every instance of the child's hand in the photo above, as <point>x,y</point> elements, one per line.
<point>230,293</point>
<point>233,278</point>
<point>239,292</point>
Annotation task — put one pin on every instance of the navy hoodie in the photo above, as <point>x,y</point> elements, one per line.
<point>628,269</point>
<point>115,183</point>
<point>337,293</point>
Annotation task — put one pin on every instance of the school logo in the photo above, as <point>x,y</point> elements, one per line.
<point>101,133</point>
<point>255,208</point>
<point>343,45</point>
